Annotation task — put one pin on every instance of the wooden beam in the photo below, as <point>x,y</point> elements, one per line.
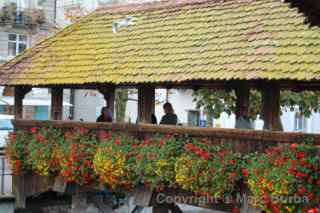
<point>260,137</point>
<point>109,96</point>
<point>242,94</point>
<point>146,103</point>
<point>19,93</point>
<point>271,107</point>
<point>56,103</point>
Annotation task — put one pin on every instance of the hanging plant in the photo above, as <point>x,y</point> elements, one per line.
<point>115,160</point>
<point>76,157</point>
<point>156,159</point>
<point>209,170</point>
<point>285,179</point>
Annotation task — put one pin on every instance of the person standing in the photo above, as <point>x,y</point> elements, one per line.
<point>244,122</point>
<point>105,115</point>
<point>170,118</point>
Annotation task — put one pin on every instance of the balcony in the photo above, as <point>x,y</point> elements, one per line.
<point>21,17</point>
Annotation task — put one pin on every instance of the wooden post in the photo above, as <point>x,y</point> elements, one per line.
<point>146,103</point>
<point>242,93</point>
<point>18,181</point>
<point>271,107</point>
<point>18,189</point>
<point>79,201</point>
<point>19,93</point>
<point>109,94</point>
<point>56,103</point>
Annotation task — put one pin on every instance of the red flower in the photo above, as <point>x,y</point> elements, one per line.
<point>139,157</point>
<point>204,154</point>
<point>292,170</point>
<point>34,130</point>
<point>103,135</point>
<point>40,138</point>
<point>233,162</point>
<point>117,141</point>
<point>13,137</point>
<point>162,142</point>
<point>151,156</point>
<point>310,196</point>
<point>314,210</point>
<point>302,190</point>
<point>300,155</point>
<point>233,175</point>
<point>83,131</point>
<point>301,175</point>
<point>293,146</point>
<point>235,210</point>
<point>318,182</point>
<point>245,172</point>
<point>146,142</point>
<point>222,154</point>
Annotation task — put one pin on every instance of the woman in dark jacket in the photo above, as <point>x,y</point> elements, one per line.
<point>169,118</point>
<point>105,115</point>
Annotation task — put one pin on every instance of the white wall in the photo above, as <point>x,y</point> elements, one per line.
<point>88,104</point>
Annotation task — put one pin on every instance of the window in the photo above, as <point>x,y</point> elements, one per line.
<point>300,123</point>
<point>193,117</point>
<point>16,44</point>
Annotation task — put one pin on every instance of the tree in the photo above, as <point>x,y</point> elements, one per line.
<point>214,102</point>
<point>121,99</point>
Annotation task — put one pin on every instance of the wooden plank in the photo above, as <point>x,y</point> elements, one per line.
<point>59,185</point>
<point>142,197</point>
<point>56,103</point>
<point>146,103</point>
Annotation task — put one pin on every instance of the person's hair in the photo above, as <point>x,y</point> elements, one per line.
<point>168,106</point>
<point>103,109</point>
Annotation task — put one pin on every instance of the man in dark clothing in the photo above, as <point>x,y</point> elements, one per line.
<point>169,118</point>
<point>105,115</point>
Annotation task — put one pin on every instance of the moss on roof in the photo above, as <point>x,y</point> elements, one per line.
<point>202,40</point>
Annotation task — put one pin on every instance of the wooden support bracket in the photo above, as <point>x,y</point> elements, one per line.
<point>56,103</point>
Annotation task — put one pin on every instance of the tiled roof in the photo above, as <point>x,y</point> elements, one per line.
<point>175,42</point>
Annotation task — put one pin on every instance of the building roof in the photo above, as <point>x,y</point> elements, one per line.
<point>175,42</point>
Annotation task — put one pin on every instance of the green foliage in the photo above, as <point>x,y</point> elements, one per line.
<point>215,102</point>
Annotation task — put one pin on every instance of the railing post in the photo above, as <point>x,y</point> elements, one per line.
<point>271,107</point>
<point>56,103</point>
<point>19,93</point>
<point>242,91</point>
<point>79,201</point>
<point>2,174</point>
<point>146,103</point>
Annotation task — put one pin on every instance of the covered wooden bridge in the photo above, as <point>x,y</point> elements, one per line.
<point>268,45</point>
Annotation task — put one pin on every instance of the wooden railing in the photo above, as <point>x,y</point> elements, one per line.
<point>240,140</point>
